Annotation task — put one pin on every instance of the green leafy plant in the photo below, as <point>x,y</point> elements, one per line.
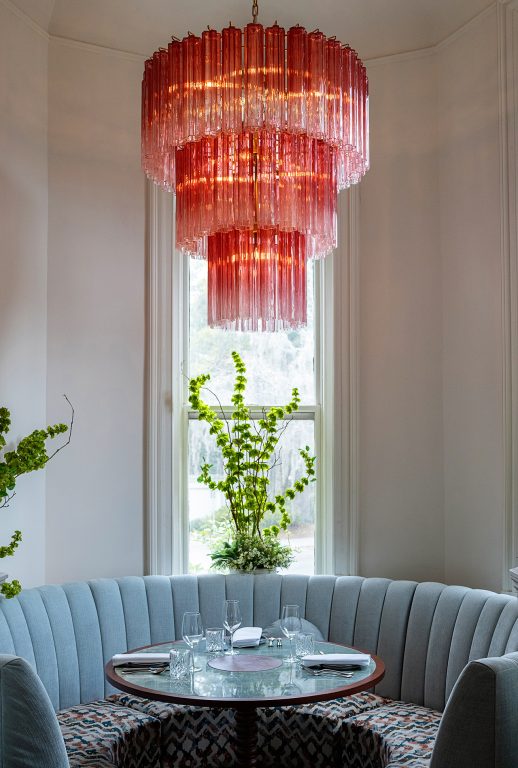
<point>248,448</point>
<point>29,455</point>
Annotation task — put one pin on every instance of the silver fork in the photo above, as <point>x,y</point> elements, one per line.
<point>328,672</point>
<point>145,671</point>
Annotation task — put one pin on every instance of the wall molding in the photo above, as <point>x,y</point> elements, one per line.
<point>454,36</point>
<point>507,15</point>
<point>418,53</point>
<point>431,50</point>
<point>338,520</point>
<point>349,373</point>
<point>100,50</point>
<point>158,421</point>
<point>37,28</point>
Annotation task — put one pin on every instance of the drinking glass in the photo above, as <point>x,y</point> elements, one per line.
<point>215,640</point>
<point>304,644</point>
<point>231,621</point>
<point>179,663</point>
<point>290,625</point>
<point>192,633</point>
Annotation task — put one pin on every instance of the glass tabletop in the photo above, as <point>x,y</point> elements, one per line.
<point>285,683</point>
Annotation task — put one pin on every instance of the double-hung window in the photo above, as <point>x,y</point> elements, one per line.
<point>183,517</point>
<point>275,362</point>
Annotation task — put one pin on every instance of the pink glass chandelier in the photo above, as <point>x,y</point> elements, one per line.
<point>256,131</point>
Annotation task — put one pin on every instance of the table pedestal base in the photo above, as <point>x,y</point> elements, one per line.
<point>246,738</point>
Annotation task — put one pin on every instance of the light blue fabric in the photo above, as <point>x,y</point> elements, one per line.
<point>487,624</point>
<point>21,638</point>
<point>462,639</point>
<point>62,626</point>
<point>160,607</point>
<point>87,633</point>
<point>343,610</point>
<point>424,603</point>
<point>29,732</point>
<point>439,645</point>
<point>42,640</point>
<point>240,586</point>
<point>136,611</point>
<point>267,599</point>
<point>211,597</point>
<point>319,598</point>
<point>479,724</point>
<point>185,598</point>
<point>425,633</point>
<point>508,619</point>
<point>392,635</point>
<point>293,591</point>
<point>368,613</point>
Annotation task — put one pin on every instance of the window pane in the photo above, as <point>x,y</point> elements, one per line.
<point>207,508</point>
<point>275,362</point>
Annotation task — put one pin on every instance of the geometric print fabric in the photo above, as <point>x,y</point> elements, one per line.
<point>290,737</point>
<point>395,735</point>
<point>361,731</point>
<point>103,734</point>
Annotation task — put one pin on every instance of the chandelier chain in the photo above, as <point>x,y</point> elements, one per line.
<point>255,10</point>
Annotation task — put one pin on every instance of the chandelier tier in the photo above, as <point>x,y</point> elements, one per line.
<point>256,132</point>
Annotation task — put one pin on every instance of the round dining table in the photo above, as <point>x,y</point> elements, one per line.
<point>257,677</point>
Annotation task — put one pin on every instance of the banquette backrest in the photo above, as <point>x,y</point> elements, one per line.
<point>426,633</point>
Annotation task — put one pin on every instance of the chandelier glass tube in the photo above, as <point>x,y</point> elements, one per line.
<point>256,131</point>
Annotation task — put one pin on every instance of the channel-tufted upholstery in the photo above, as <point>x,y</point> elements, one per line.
<point>426,633</point>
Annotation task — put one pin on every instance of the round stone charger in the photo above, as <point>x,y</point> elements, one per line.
<point>244,663</point>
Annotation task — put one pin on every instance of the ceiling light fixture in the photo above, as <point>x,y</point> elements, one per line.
<point>256,132</point>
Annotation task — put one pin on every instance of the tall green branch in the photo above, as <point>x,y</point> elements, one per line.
<point>29,455</point>
<point>247,447</point>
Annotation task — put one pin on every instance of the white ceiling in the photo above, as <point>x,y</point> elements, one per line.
<point>373,27</point>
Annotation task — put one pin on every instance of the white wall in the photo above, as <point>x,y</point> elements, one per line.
<point>431,463</point>
<point>472,305</point>
<point>401,482</point>
<point>23,272</point>
<point>96,288</point>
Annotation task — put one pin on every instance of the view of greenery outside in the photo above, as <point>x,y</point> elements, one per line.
<point>275,362</point>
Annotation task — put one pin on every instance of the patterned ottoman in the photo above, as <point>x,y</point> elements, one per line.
<point>293,737</point>
<point>395,735</point>
<point>103,734</point>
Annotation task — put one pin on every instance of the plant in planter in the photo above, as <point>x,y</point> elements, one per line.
<point>248,449</point>
<point>29,456</point>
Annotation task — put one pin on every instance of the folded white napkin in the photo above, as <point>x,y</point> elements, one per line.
<point>139,658</point>
<point>337,660</point>
<point>247,637</point>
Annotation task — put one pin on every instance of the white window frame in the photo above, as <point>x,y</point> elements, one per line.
<point>335,415</point>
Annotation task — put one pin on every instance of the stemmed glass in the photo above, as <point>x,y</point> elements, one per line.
<point>192,633</point>
<point>290,625</point>
<point>231,621</point>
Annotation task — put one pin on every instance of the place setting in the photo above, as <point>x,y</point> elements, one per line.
<point>236,649</point>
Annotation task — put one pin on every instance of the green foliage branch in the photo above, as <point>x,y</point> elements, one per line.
<point>29,455</point>
<point>248,449</point>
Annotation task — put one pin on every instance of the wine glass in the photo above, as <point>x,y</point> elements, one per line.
<point>192,633</point>
<point>290,625</point>
<point>231,621</point>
